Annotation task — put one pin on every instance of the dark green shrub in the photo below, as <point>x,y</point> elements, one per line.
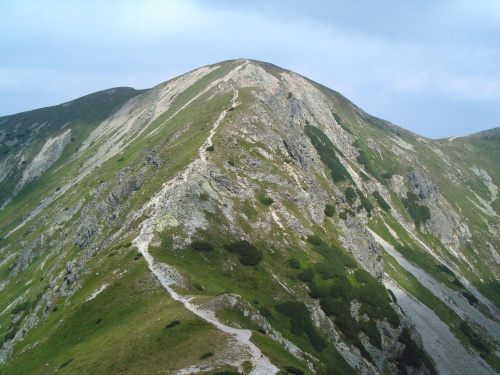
<point>202,246</point>
<point>318,291</point>
<point>306,275</point>
<point>99,320</point>
<point>265,312</point>
<point>293,370</point>
<point>390,315</point>
<point>368,295</point>
<point>316,340</point>
<point>226,372</point>
<point>445,269</point>
<point>479,345</point>
<point>329,210</point>
<point>419,213</point>
<point>370,328</point>
<point>66,363</point>
<point>343,215</point>
<point>347,324</point>
<point>249,254</point>
<point>11,334</point>
<point>294,263</point>
<point>364,353</point>
<point>343,289</point>
<point>458,283</point>
<point>301,322</point>
<point>20,307</point>
<point>364,176</point>
<point>330,269</point>
<point>120,159</point>
<point>138,256</point>
<point>393,297</point>
<point>206,355</point>
<point>314,239</point>
<point>231,162</point>
<point>363,159</point>
<point>365,203</point>
<point>363,276</point>
<point>290,95</point>
<point>411,353</point>
<point>350,195</point>
<point>381,201</point>
<point>199,287</point>
<point>266,201</point>
<point>341,123</point>
<point>173,323</point>
<point>386,176</point>
<point>326,150</point>
<point>331,306</point>
<point>348,260</point>
<point>470,297</point>
<point>210,148</point>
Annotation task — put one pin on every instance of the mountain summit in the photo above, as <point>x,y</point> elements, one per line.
<point>241,218</point>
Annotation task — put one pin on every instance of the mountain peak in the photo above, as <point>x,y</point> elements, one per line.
<point>241,217</point>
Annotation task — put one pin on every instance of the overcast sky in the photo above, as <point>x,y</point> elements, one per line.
<point>429,66</point>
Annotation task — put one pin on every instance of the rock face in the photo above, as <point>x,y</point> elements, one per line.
<point>50,152</point>
<point>203,216</point>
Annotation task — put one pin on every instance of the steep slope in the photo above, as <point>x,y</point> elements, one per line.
<point>243,217</point>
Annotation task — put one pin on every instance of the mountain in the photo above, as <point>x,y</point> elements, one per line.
<point>243,218</point>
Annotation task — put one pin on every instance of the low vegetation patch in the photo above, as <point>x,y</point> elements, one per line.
<point>172,324</point>
<point>381,201</point>
<point>329,210</point>
<point>300,322</point>
<point>474,338</point>
<point>363,160</point>
<point>326,151</point>
<point>266,201</point>
<point>293,370</point>
<point>206,355</point>
<point>265,312</point>
<point>66,363</point>
<point>306,275</point>
<point>314,239</point>
<point>202,246</point>
<point>350,195</point>
<point>412,355</point>
<point>341,123</point>
<point>419,213</point>
<point>294,263</point>
<point>249,255</point>
<point>365,202</point>
<point>470,297</point>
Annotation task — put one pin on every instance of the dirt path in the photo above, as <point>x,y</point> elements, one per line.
<point>168,276</point>
<point>208,142</point>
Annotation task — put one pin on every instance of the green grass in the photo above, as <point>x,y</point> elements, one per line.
<point>126,323</point>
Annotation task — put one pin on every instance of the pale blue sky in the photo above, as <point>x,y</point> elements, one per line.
<point>429,66</point>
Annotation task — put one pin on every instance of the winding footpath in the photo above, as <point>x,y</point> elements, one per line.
<point>168,275</point>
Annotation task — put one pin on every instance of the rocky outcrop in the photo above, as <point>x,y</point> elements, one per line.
<point>359,241</point>
<point>50,152</point>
